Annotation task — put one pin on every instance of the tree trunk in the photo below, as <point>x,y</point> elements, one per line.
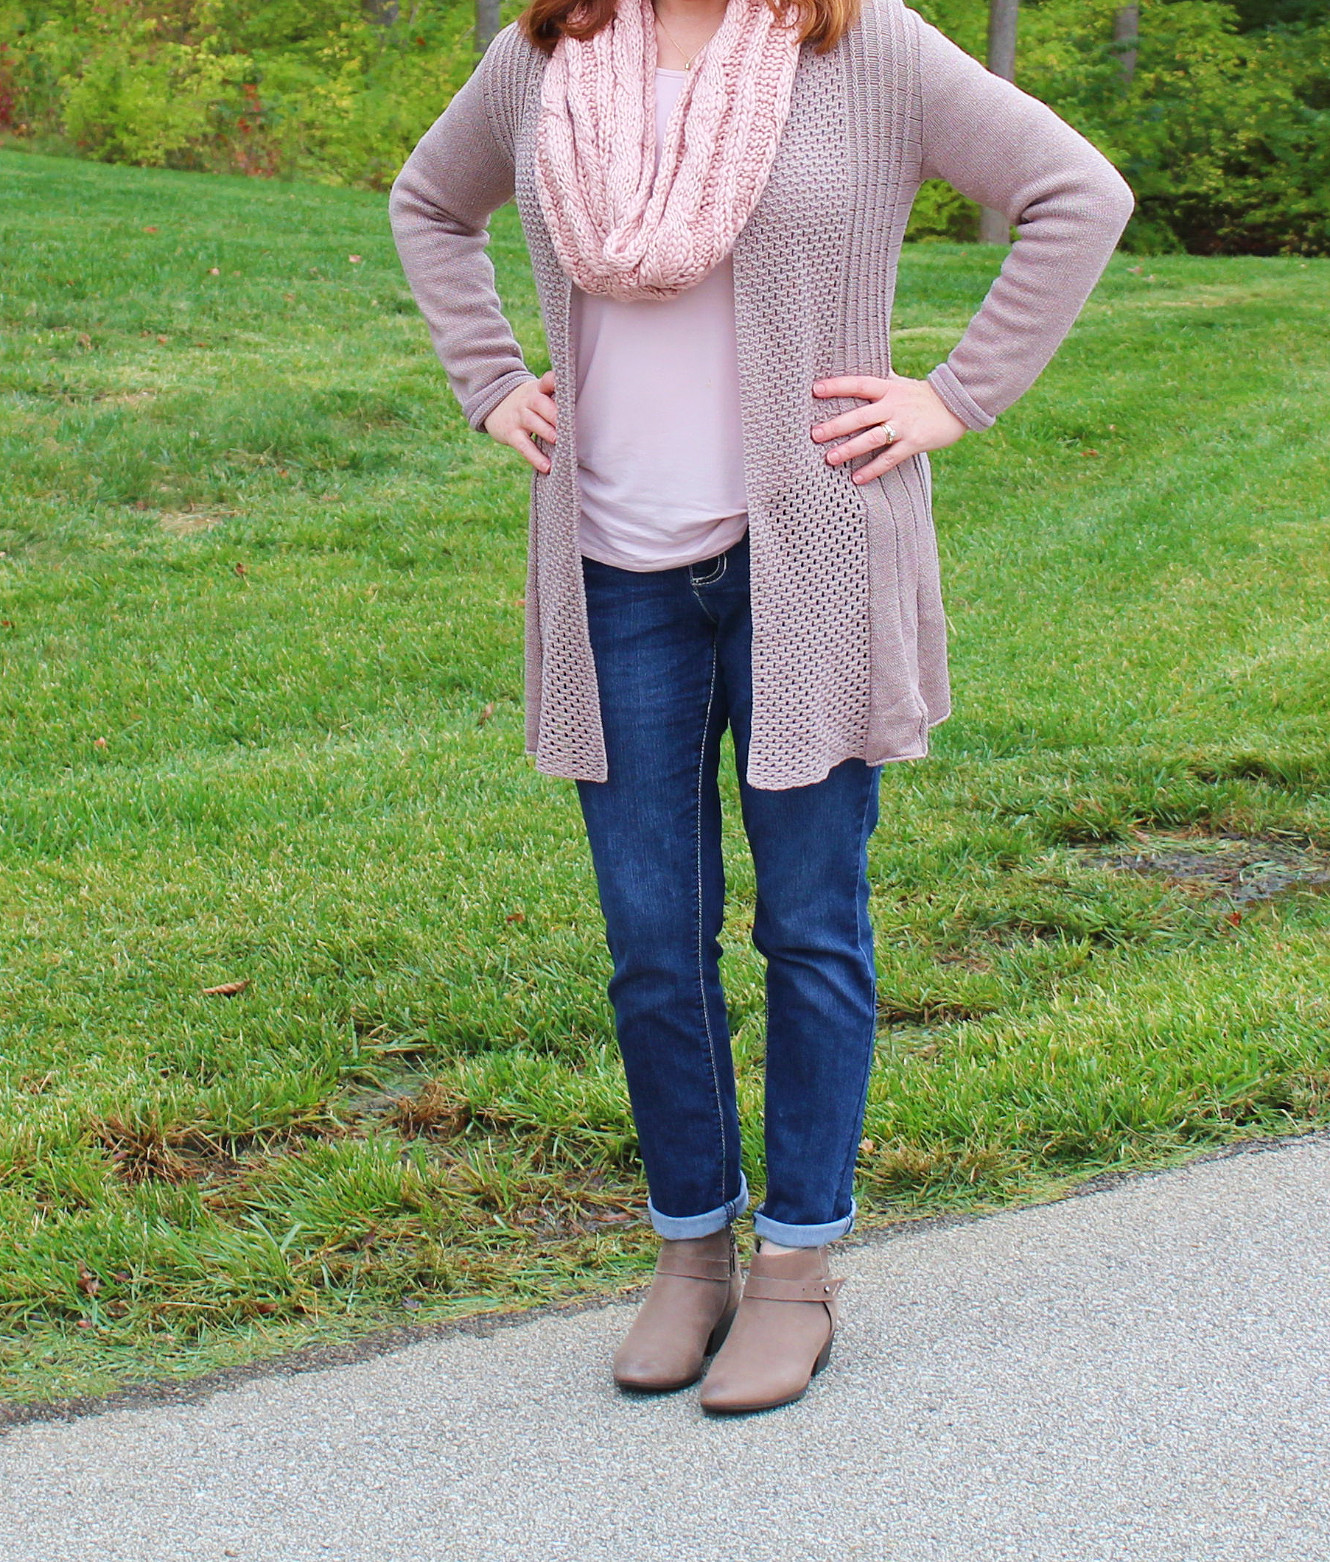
<point>1126,30</point>
<point>383,13</point>
<point>487,23</point>
<point>993,226</point>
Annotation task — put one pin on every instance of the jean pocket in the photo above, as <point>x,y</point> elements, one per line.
<point>715,569</point>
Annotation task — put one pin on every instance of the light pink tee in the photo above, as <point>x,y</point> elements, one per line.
<point>659,439</point>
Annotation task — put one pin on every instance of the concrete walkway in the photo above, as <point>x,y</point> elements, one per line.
<point>1140,1374</point>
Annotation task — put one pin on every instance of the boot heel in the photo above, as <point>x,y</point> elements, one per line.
<point>782,1335</point>
<point>720,1331</point>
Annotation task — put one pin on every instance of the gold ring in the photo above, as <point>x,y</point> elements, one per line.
<point>889,434</point>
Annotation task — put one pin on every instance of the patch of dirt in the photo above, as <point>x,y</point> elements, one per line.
<point>153,1152</point>
<point>1294,772</point>
<point>185,523</point>
<point>132,398</point>
<point>581,1212</point>
<point>1243,868</point>
<point>929,1011</point>
<point>966,959</point>
<point>434,1111</point>
<point>144,1152</point>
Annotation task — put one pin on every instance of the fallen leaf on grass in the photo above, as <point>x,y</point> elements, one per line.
<point>214,271</point>
<point>485,714</point>
<point>226,989</point>
<point>241,571</point>
<point>150,230</point>
<point>410,1302</point>
<point>99,743</point>
<point>355,259</point>
<point>163,340</point>
<point>84,340</point>
<point>515,916</point>
<point>1089,452</point>
<point>88,1282</point>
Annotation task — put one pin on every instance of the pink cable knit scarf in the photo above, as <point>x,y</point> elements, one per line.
<point>620,227</point>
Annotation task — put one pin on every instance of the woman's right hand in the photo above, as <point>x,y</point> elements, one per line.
<point>524,412</point>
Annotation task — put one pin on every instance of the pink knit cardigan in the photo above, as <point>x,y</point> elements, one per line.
<point>849,636</point>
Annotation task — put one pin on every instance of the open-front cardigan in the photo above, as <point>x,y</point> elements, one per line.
<point>849,647</point>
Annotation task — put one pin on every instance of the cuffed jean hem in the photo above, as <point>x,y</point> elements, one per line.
<point>679,1228</point>
<point>803,1236</point>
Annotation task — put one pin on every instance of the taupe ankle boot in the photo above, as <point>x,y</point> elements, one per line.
<point>781,1336</point>
<point>685,1317</point>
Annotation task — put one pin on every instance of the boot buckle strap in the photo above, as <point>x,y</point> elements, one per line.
<point>694,1268</point>
<point>768,1288</point>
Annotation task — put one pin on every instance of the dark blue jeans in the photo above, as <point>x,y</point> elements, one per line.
<point>673,661</point>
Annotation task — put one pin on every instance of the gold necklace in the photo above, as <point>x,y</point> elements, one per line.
<point>688,61</point>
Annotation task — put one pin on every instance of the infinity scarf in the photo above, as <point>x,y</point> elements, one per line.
<point>621,227</point>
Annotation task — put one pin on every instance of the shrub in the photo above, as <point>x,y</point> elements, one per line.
<point>1224,134</point>
<point>1224,131</point>
<point>324,91</point>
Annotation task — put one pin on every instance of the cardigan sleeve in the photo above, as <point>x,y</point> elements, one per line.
<point>439,207</point>
<point>1005,149</point>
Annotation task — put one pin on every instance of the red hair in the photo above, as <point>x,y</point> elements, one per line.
<point>822,23</point>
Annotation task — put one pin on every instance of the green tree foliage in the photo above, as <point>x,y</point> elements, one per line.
<point>1223,131</point>
<point>330,90</point>
<point>1224,134</point>
<point>1252,14</point>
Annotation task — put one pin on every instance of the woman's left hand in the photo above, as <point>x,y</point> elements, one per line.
<point>916,412</point>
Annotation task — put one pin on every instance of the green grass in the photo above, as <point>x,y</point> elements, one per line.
<point>260,721</point>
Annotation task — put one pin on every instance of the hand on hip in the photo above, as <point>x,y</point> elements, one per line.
<point>899,418</point>
<point>525,415</point>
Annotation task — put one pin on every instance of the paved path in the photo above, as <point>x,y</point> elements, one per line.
<point>1139,1374</point>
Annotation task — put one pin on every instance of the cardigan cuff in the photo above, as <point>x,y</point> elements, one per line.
<point>958,399</point>
<point>481,405</point>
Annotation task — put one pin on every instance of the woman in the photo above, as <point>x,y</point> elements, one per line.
<point>730,526</point>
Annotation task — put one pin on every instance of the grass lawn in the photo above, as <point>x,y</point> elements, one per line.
<point>260,723</point>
